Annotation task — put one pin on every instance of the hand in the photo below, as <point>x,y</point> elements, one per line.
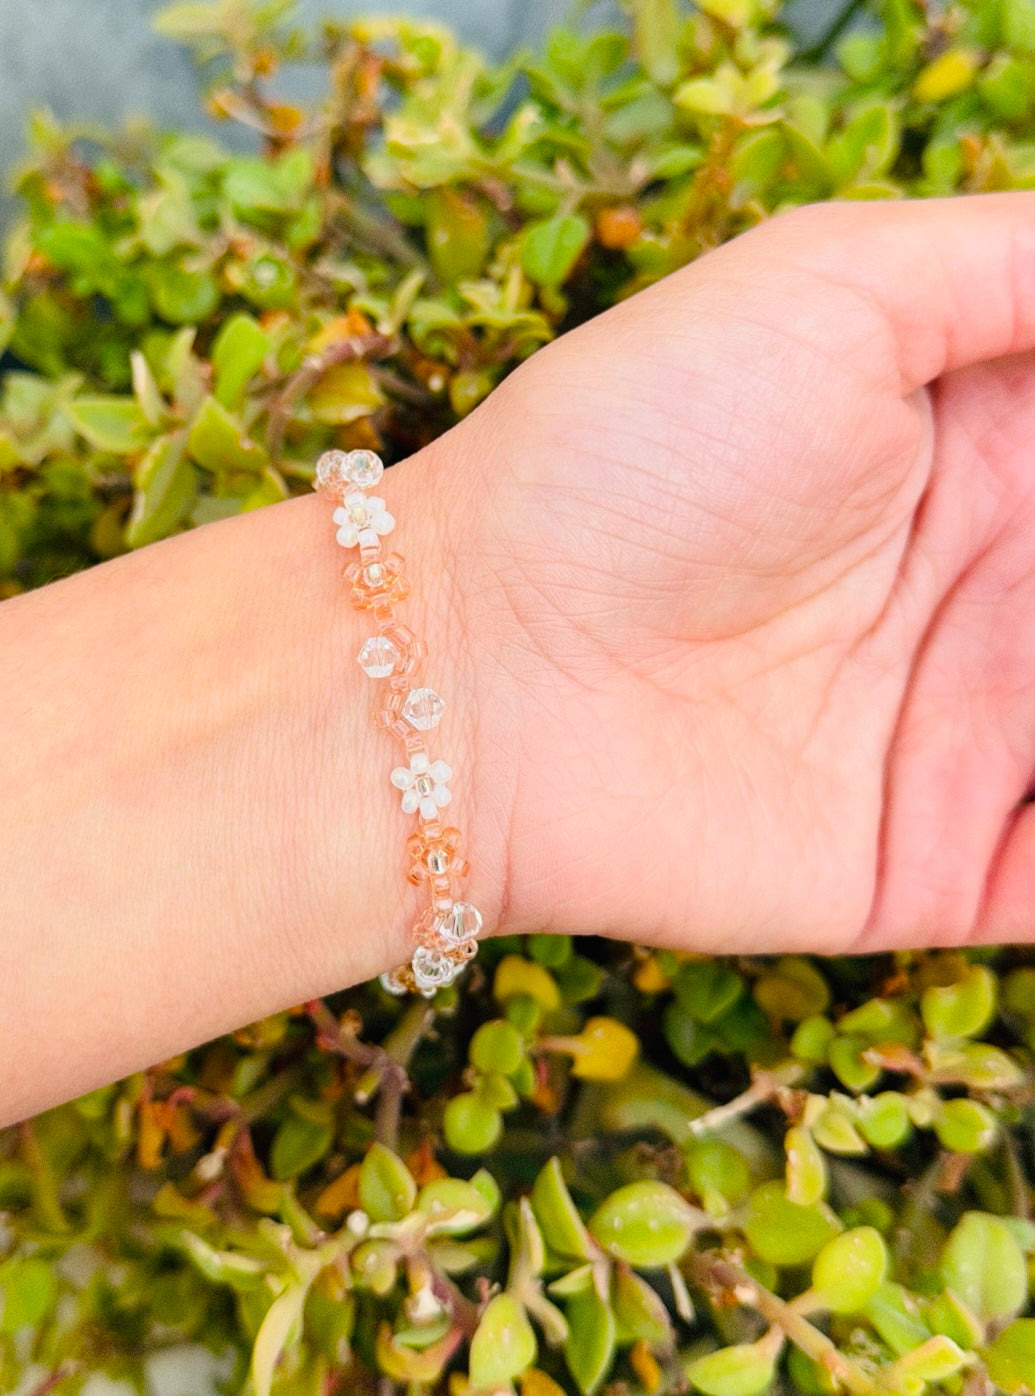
<point>751,594</point>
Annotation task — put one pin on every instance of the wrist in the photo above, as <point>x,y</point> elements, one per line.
<point>359,906</point>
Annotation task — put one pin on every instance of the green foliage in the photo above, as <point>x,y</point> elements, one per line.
<point>596,1168</point>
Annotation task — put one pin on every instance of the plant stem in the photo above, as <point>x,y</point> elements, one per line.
<point>313,368</point>
<point>764,1087</point>
<point>714,1272</point>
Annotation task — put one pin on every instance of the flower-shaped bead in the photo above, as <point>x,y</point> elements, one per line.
<point>358,514</point>
<point>423,784</point>
<point>435,857</point>
<point>432,971</point>
<point>378,581</point>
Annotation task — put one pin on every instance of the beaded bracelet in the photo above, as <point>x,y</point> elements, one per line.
<point>446,932</point>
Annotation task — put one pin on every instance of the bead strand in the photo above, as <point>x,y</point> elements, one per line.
<point>446,932</point>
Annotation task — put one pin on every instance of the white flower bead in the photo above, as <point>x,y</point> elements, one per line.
<point>360,514</point>
<point>423,784</point>
<point>432,971</point>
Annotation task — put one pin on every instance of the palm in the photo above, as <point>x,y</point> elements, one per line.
<point>760,601</point>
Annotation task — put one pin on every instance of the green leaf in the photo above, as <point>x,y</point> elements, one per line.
<point>782,1232</point>
<point>963,1009</point>
<point>497,1046</point>
<point>984,1266</point>
<point>590,1348</point>
<point>558,1216</point>
<point>114,424</point>
<point>795,989</point>
<point>375,1266</point>
<point>894,1313</point>
<point>386,1188</point>
<point>646,1224</point>
<point>656,26</point>
<point>180,296</point>
<point>718,1172</point>
<point>454,1207</point>
<point>806,1171</point>
<point>1007,86</point>
<point>978,1065</point>
<point>298,1144</point>
<point>165,488</point>
<point>550,249</point>
<point>457,233</point>
<point>835,1132</point>
<point>933,1361</point>
<point>241,1272</point>
<point>866,147</point>
<point>707,989</point>
<point>220,443</point>
<point>810,168</point>
<point>965,1126</point>
<point>145,390</point>
<point>281,1329</point>
<point>883,1119</point>
<point>503,1345</point>
<point>881,1020</point>
<point>742,1370</point>
<point>849,1270</point>
<point>736,13</point>
<point>238,352</point>
<point>344,393</point>
<point>812,1038</point>
<point>639,1311</point>
<point>28,1290</point>
<point>849,1065</point>
<point>470,1124</point>
<point>262,186</point>
<point>949,1316</point>
<point>1011,1358</point>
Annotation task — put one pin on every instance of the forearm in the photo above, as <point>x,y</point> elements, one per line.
<point>200,826</point>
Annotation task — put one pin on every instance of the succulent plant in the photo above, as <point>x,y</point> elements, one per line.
<point>595,1167</point>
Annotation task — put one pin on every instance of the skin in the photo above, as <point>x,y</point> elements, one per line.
<point>729,592</point>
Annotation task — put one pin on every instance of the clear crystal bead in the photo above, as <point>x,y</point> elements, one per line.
<point>373,574</point>
<point>378,657</point>
<point>364,468</point>
<point>438,861</point>
<point>424,785</point>
<point>461,923</point>
<point>423,708</point>
<point>331,470</point>
<point>390,980</point>
<point>432,971</point>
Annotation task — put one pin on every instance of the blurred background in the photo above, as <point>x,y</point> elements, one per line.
<point>98,60</point>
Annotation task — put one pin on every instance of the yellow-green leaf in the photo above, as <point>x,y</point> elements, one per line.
<point>165,488</point>
<point>590,1348</point>
<point>745,1369</point>
<point>387,1190</point>
<point>503,1345</point>
<point>557,1214</point>
<point>344,393</point>
<point>281,1328</point>
<point>646,1224</point>
<point>220,443</point>
<point>109,423</point>
<point>984,1266</point>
